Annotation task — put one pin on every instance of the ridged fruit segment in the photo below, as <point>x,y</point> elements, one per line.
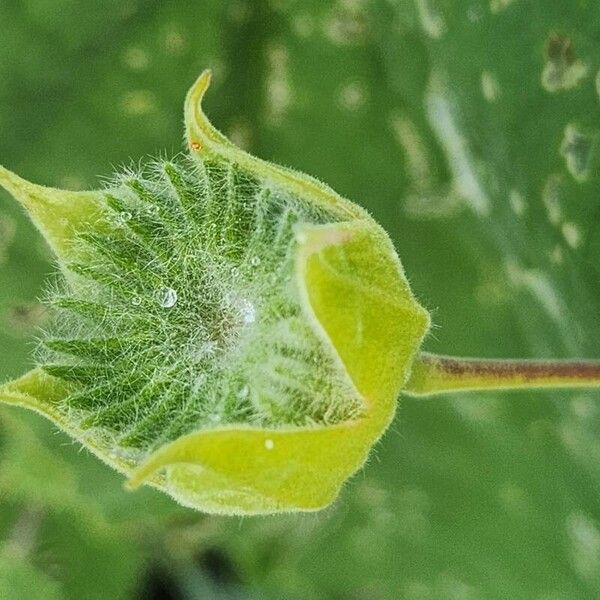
<point>191,291</point>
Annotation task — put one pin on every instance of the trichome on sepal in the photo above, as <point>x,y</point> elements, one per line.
<point>230,331</point>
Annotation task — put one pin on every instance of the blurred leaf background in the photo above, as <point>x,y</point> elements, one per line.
<point>470,130</point>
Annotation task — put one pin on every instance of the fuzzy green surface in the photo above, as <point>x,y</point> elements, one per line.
<point>182,312</point>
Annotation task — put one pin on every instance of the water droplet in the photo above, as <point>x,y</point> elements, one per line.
<point>243,392</point>
<point>136,301</point>
<point>269,444</point>
<point>247,311</point>
<point>168,297</point>
<point>255,261</point>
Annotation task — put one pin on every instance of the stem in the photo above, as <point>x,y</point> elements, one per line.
<point>433,374</point>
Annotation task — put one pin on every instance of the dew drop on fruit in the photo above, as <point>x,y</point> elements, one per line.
<point>247,311</point>
<point>168,297</point>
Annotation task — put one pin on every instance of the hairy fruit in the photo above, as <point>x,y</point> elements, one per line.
<point>224,329</point>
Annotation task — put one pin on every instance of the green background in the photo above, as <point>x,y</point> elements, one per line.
<point>470,130</point>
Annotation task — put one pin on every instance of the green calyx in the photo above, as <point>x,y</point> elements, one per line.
<point>227,330</point>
